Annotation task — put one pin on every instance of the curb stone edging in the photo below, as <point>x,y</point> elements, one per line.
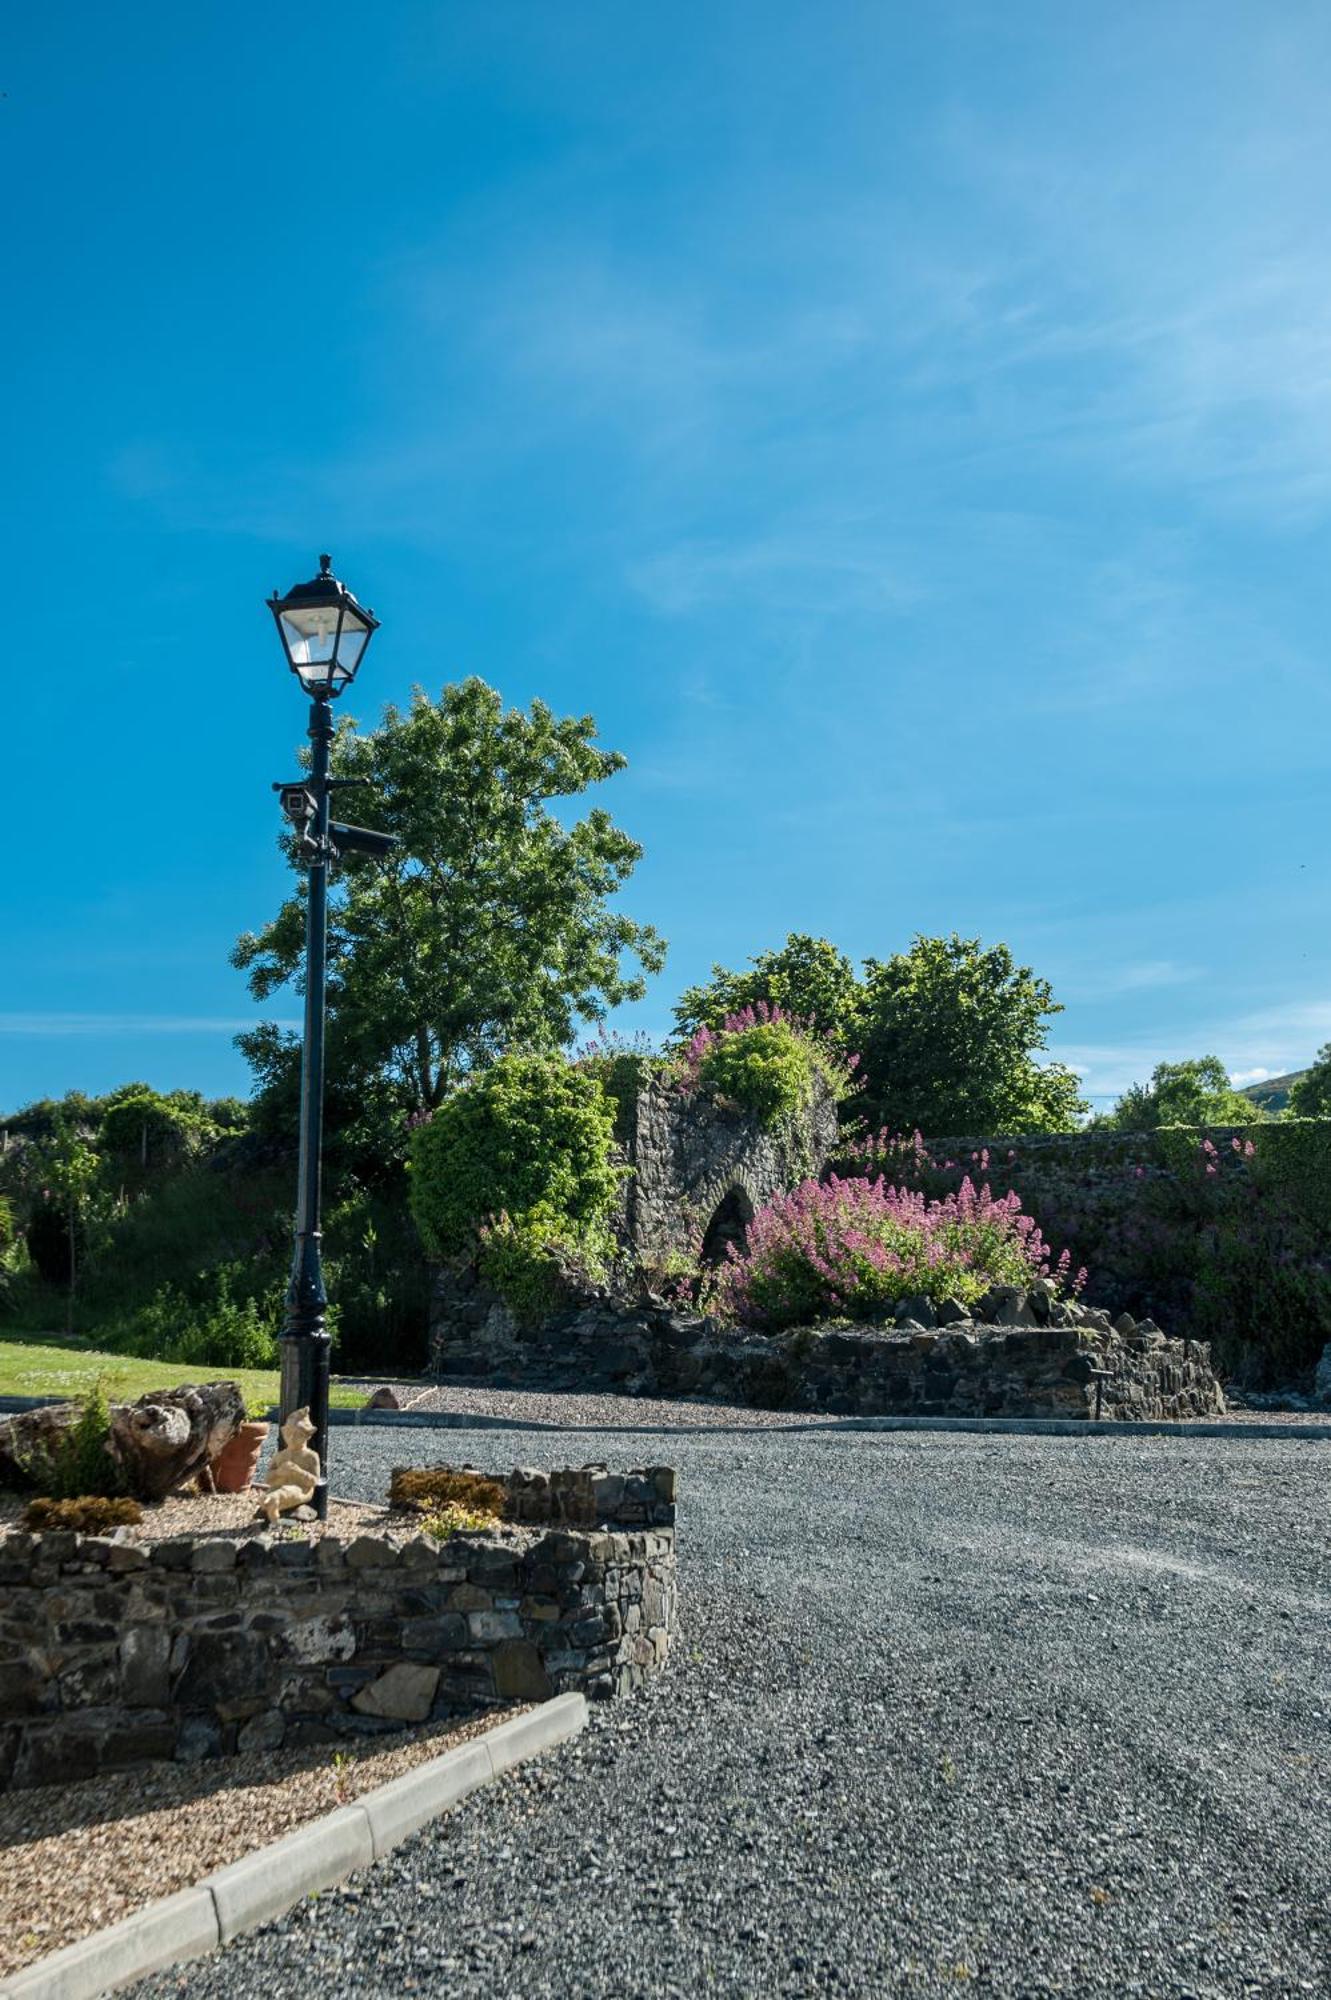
<point>265,1884</point>
<point>818,1420</point>
<point>835,1421</point>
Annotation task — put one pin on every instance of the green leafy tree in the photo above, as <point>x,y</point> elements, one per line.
<point>71,1169</point>
<point>807,977</point>
<point>492,928</point>
<point>949,1032</point>
<point>1311,1095</point>
<point>142,1127</point>
<point>1197,1092</point>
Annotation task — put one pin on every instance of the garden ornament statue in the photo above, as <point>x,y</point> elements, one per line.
<point>294,1472</point>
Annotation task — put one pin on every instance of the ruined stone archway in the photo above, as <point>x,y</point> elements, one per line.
<point>729,1224</point>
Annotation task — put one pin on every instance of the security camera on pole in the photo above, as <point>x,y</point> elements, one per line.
<point>324,634</point>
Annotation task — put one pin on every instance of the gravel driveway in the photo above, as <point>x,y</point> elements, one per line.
<point>1001,1715</point>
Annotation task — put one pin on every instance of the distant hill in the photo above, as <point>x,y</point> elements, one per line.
<point>1272,1094</point>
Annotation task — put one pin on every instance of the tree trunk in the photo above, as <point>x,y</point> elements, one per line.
<point>73,1272</point>
<point>169,1435</point>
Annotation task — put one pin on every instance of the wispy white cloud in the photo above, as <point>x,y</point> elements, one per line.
<point>125,1024</point>
<point>811,568</point>
<point>1109,981</point>
<point>1267,1042</point>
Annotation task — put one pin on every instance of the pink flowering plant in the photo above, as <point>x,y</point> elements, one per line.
<point>851,1248</point>
<point>768,1061</point>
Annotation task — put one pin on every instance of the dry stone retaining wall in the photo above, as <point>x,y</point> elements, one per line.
<point>1022,1357</point>
<point>114,1651</point>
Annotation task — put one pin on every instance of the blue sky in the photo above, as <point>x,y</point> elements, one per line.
<point>907,429</point>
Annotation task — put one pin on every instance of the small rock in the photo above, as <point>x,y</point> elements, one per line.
<point>949,1311</point>
<point>383,1398</point>
<point>404,1694</point>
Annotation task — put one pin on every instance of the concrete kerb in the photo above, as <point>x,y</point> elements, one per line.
<point>462,1420</point>
<point>457,1420</point>
<point>265,1884</point>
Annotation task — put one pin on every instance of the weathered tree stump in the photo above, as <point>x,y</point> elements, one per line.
<point>169,1435</point>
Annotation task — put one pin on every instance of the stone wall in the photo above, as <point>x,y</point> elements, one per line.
<point>1025,1355</point>
<point>1219,1234</point>
<point>115,1650</point>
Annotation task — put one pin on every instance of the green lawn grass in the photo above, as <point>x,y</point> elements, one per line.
<point>48,1364</point>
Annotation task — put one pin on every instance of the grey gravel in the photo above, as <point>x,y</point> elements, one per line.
<point>1003,1715</point>
<point>568,1409</point>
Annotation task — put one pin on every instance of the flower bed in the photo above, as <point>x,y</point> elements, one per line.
<point>118,1649</point>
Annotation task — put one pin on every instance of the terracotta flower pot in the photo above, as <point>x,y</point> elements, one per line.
<point>237,1462</point>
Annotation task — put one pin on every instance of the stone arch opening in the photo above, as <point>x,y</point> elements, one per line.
<point>729,1224</point>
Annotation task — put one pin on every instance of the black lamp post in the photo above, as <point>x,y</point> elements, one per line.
<point>324,633</point>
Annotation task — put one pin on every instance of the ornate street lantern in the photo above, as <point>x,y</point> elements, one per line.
<point>324,632</point>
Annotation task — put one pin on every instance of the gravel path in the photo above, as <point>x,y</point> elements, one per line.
<point>1008,1715</point>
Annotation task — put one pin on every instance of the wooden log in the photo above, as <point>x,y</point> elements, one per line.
<point>168,1436</point>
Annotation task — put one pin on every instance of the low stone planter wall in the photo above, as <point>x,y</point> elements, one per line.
<point>114,1651</point>
<point>1025,1356</point>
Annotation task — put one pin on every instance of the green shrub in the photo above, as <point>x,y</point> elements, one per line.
<point>212,1330</point>
<point>535,1261</point>
<point>77,1464</point>
<point>767,1068</point>
<point>144,1129</point>
<point>531,1132</point>
<point>768,1062</point>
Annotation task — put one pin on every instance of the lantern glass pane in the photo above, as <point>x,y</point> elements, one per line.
<point>310,632</point>
<point>355,633</point>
